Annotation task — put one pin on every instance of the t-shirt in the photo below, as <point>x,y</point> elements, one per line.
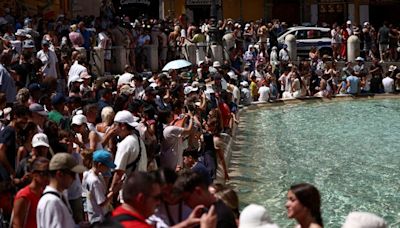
<point>94,187</point>
<point>54,210</point>
<point>7,84</point>
<point>353,88</point>
<point>388,84</point>
<point>225,113</point>
<point>172,147</point>
<point>127,152</point>
<point>384,35</point>
<point>253,89</point>
<point>55,116</point>
<point>49,60</point>
<point>264,92</point>
<point>140,222</point>
<point>33,199</point>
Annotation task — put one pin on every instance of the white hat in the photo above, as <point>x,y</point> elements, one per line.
<point>200,62</point>
<point>127,90</point>
<point>209,90</point>
<point>216,64</point>
<point>79,119</point>
<point>126,117</point>
<point>363,220</point>
<point>28,44</point>
<point>392,68</point>
<point>247,25</point>
<point>85,74</point>
<point>360,59</point>
<point>189,89</point>
<point>40,139</point>
<point>348,22</point>
<point>244,84</point>
<point>366,23</point>
<point>255,216</point>
<point>20,32</point>
<point>232,75</point>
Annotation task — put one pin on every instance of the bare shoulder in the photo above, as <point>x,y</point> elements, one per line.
<point>314,225</point>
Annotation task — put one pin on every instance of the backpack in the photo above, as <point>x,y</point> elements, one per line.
<point>115,222</point>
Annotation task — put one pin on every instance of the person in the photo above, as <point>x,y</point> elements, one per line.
<point>358,219</point>
<point>141,194</point>
<point>264,91</point>
<point>255,215</point>
<point>53,209</point>
<point>191,161</point>
<point>27,199</point>
<point>388,84</point>
<point>95,188</point>
<point>383,40</point>
<point>194,191</point>
<point>353,83</point>
<point>131,152</point>
<point>304,205</point>
<point>49,60</point>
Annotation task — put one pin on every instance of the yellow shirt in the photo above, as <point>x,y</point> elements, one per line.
<point>253,89</point>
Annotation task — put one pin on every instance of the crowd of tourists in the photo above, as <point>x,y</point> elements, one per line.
<point>145,149</point>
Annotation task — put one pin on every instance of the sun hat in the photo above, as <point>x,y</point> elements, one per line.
<point>104,157</point>
<point>363,220</point>
<point>65,161</point>
<point>40,139</point>
<point>255,216</point>
<point>126,117</point>
<point>38,108</point>
<point>79,119</point>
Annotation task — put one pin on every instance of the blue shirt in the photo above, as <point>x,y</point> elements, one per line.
<point>354,81</point>
<point>7,84</point>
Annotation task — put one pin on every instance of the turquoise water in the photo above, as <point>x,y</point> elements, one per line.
<point>349,150</point>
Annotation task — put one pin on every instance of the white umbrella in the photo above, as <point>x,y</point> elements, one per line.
<point>177,64</point>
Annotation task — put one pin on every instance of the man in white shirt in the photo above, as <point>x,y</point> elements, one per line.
<point>264,91</point>
<point>388,84</point>
<point>126,77</point>
<point>49,60</point>
<point>53,209</point>
<point>131,151</point>
<point>77,68</point>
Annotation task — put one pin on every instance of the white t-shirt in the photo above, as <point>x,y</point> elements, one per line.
<point>75,190</point>
<point>172,147</point>
<point>127,152</point>
<point>95,190</point>
<point>264,92</point>
<point>388,84</point>
<point>49,61</point>
<point>53,212</point>
<point>76,69</point>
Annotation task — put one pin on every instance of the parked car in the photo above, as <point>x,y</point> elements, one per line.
<point>307,37</point>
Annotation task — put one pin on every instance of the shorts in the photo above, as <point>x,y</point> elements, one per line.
<point>383,47</point>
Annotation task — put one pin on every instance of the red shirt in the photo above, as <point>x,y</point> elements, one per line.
<point>225,114</point>
<point>33,203</point>
<point>140,222</point>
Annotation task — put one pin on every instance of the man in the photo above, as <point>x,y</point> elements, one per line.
<point>126,77</point>
<point>353,83</point>
<point>7,83</point>
<point>58,103</point>
<point>77,68</point>
<point>194,191</point>
<point>383,40</point>
<point>49,60</point>
<point>131,152</point>
<point>38,116</point>
<point>141,194</point>
<point>90,111</point>
<point>388,84</point>
<point>53,209</point>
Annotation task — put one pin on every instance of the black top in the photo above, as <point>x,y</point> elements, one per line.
<point>7,137</point>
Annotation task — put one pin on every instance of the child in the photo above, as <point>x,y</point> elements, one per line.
<point>97,198</point>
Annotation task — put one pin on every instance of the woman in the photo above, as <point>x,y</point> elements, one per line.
<point>298,88</point>
<point>27,199</point>
<point>85,138</point>
<point>304,205</point>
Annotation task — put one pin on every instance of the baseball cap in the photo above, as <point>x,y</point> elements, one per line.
<point>79,119</point>
<point>216,64</point>
<point>75,78</point>
<point>126,117</point>
<point>85,75</point>
<point>38,108</point>
<point>40,139</point>
<point>360,59</point>
<point>348,22</point>
<point>244,84</point>
<point>255,216</point>
<point>62,161</point>
<point>34,87</point>
<point>363,220</point>
<point>189,89</point>
<point>58,99</point>
<point>104,157</point>
<point>45,42</point>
